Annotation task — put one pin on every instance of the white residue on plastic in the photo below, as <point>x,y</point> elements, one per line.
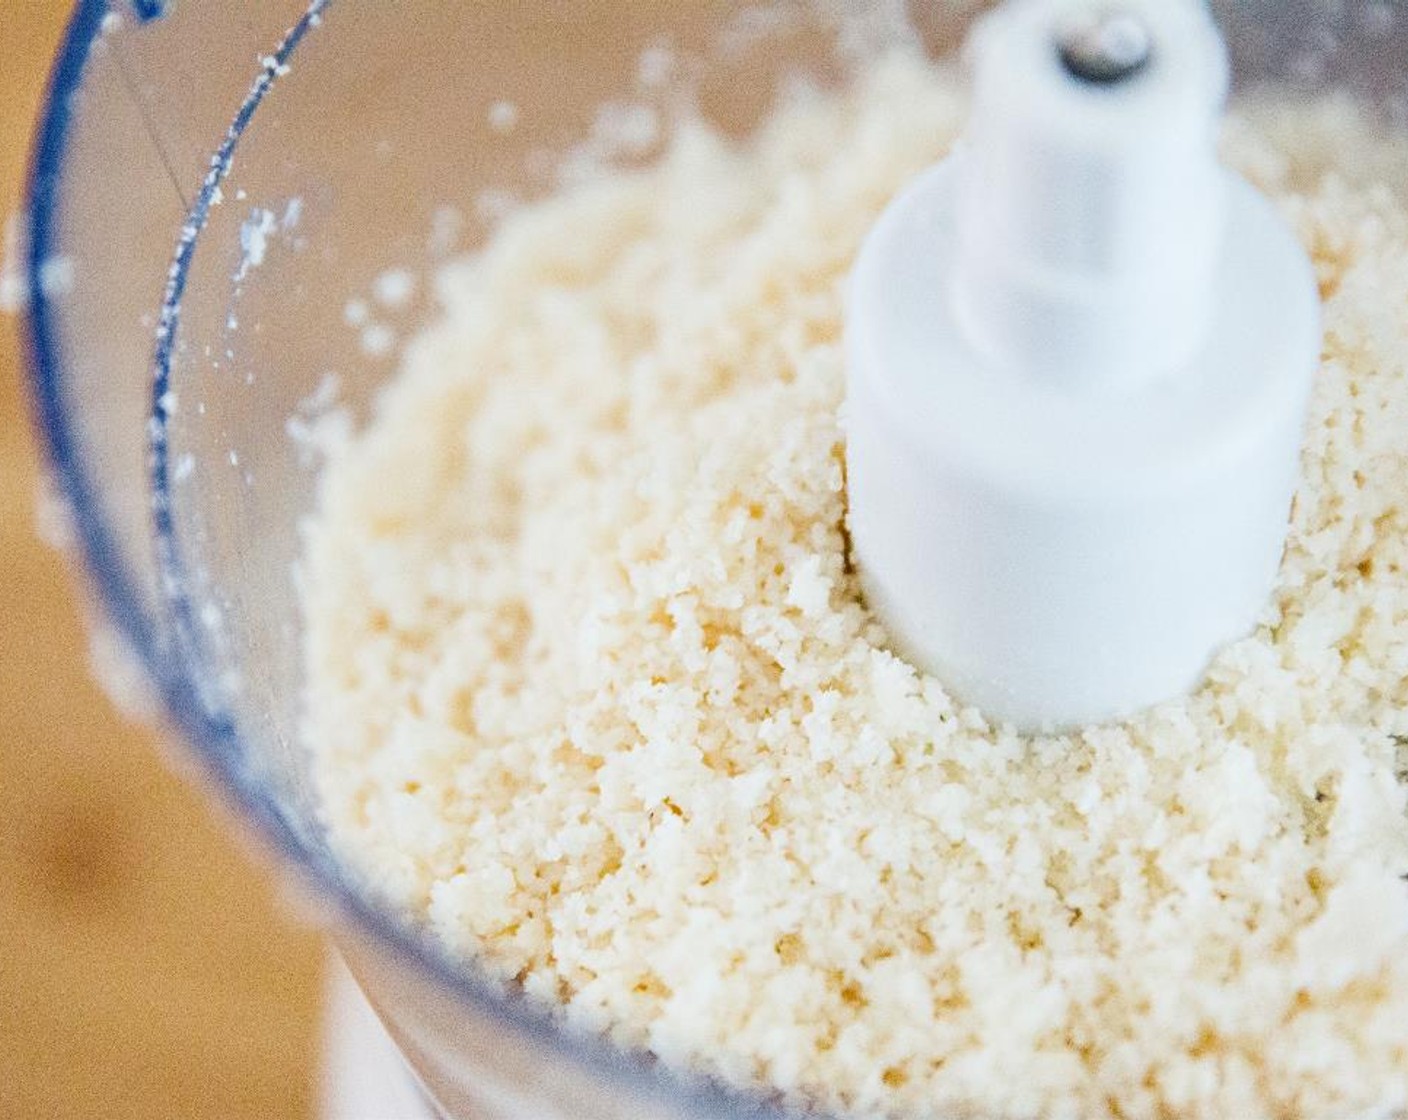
<point>378,340</point>
<point>54,521</point>
<point>120,672</point>
<point>394,288</point>
<point>318,426</point>
<point>254,240</point>
<point>112,22</point>
<point>293,214</point>
<point>503,117</point>
<point>211,616</point>
<point>56,276</point>
<point>356,313</point>
<point>122,675</point>
<point>258,233</point>
<point>655,66</point>
<point>184,468</point>
<point>14,286</point>
<point>258,230</point>
<point>446,228</point>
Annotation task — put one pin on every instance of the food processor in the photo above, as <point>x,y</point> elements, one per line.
<point>235,214</point>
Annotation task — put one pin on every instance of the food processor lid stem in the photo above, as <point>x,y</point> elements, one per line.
<point>1079,361</point>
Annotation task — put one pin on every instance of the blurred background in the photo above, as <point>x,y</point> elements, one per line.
<point>147,967</point>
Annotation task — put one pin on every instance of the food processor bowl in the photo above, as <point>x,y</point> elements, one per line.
<point>236,210</point>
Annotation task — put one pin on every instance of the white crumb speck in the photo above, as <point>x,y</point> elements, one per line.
<point>355,312</point>
<point>56,276</point>
<point>255,233</point>
<point>293,214</point>
<point>503,116</point>
<point>394,288</point>
<point>654,66</point>
<point>378,340</point>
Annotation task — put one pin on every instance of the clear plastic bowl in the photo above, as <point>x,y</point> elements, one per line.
<point>284,156</point>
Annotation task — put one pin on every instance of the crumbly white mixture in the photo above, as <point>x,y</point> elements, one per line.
<point>592,690</point>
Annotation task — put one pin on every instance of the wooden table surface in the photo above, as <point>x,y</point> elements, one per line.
<point>146,970</point>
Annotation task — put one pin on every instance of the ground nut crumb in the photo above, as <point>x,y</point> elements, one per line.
<point>591,690</point>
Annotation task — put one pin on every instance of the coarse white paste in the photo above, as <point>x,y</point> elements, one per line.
<point>593,694</point>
